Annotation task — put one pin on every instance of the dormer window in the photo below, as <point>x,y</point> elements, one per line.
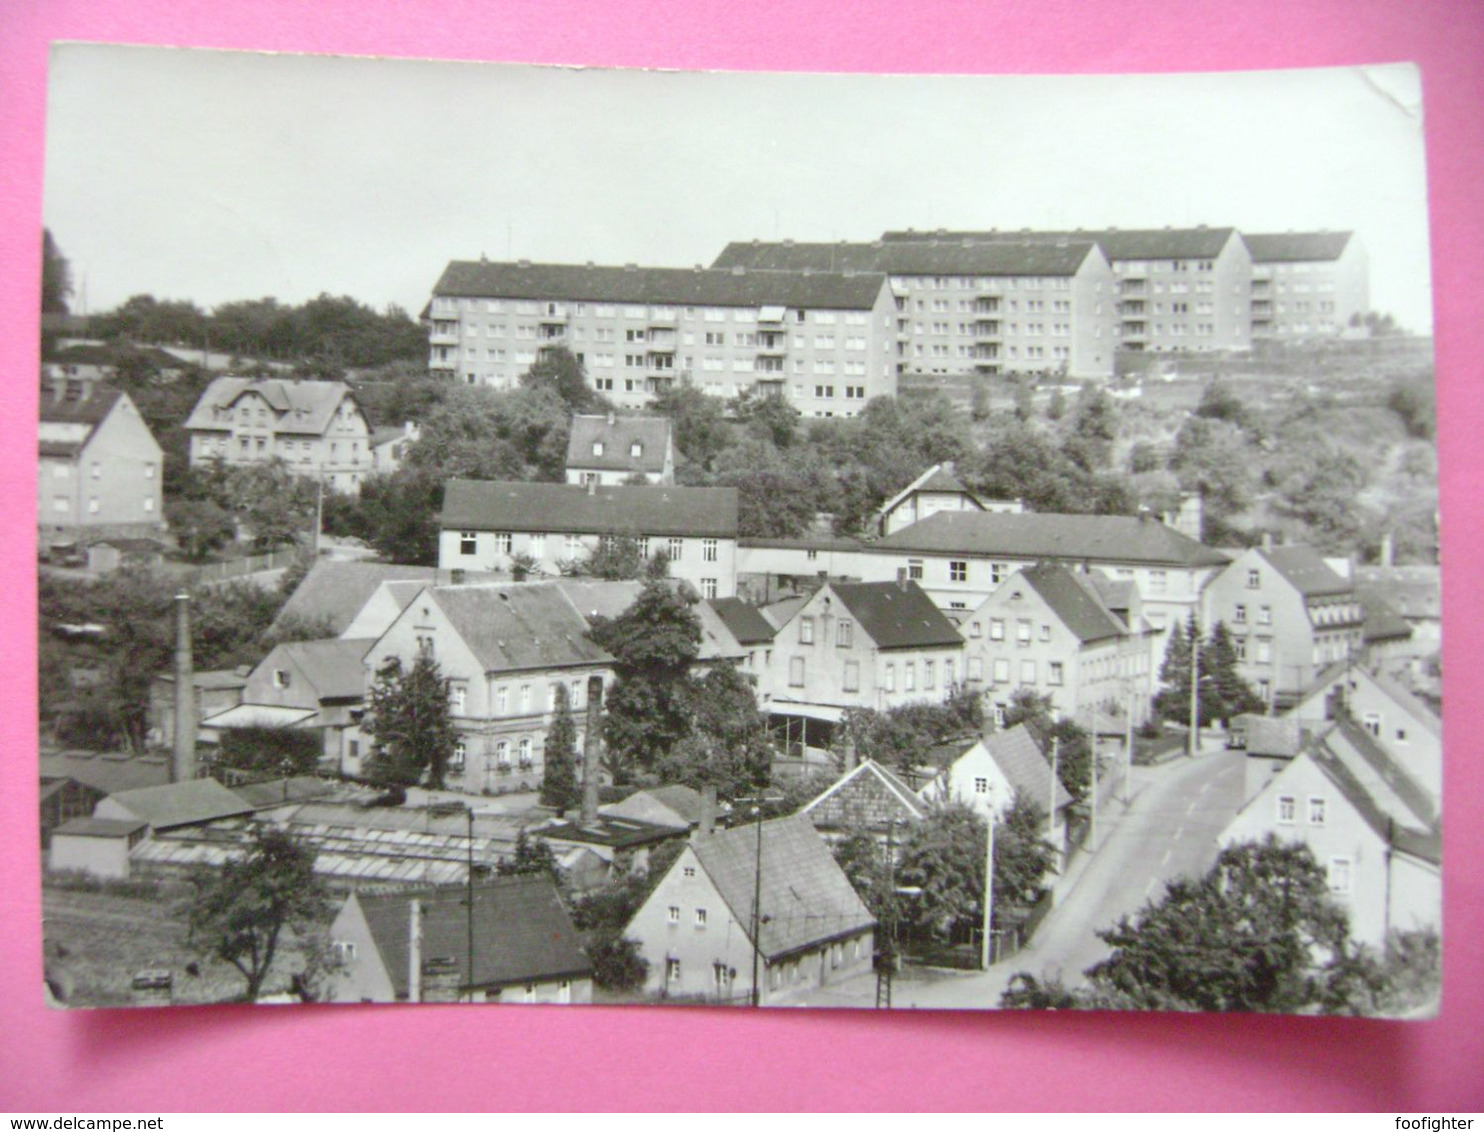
<point>636,449</point>
<point>281,678</point>
<point>597,448</point>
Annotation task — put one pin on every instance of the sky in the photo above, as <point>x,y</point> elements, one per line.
<point>216,176</point>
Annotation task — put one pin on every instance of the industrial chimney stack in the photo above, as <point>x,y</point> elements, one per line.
<point>592,749</point>
<point>183,764</point>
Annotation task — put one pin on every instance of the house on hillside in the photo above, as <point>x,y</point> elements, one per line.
<point>100,466</point>
<point>413,945</point>
<point>937,489</point>
<point>1370,824</point>
<point>610,450</point>
<point>961,557</point>
<point>754,636</point>
<point>984,772</point>
<point>485,523</point>
<point>315,428</point>
<point>1290,616</point>
<point>872,645</point>
<point>1047,629</point>
<point>335,592</point>
<point>503,649</point>
<point>389,445</point>
<point>1409,730</point>
<point>867,798</point>
<point>714,919</point>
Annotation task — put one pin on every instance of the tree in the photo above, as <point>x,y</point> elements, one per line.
<point>199,525</point>
<point>618,965</point>
<point>1022,856</point>
<point>1258,932</point>
<point>242,910</point>
<point>698,420</point>
<point>943,855</point>
<point>400,516</point>
<point>1221,402</point>
<point>1073,746</point>
<point>616,560</point>
<point>1232,694</point>
<point>533,857</point>
<point>559,371</point>
<point>272,751</point>
<point>410,723</point>
<point>559,771</point>
<point>56,276</point>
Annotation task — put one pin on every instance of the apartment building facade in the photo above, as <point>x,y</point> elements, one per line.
<point>1307,284</point>
<point>976,307</point>
<point>315,428</point>
<point>825,341</point>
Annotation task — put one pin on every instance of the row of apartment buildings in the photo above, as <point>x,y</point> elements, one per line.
<point>831,325</point>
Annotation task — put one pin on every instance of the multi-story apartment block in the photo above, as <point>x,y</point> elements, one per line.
<point>1184,289</point>
<point>824,340</point>
<point>314,427</point>
<point>613,450</point>
<point>487,525</point>
<point>100,466</point>
<point>503,649</point>
<point>1290,616</point>
<point>1307,284</point>
<point>977,306</point>
<point>1048,630</point>
<point>961,557</point>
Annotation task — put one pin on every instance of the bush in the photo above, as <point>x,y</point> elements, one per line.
<point>77,881</point>
<point>617,965</point>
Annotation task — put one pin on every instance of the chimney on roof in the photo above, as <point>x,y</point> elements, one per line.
<point>592,749</point>
<point>612,418</point>
<point>698,268</point>
<point>483,258</point>
<point>183,765</point>
<point>1388,550</point>
<point>631,267</point>
<point>902,579</point>
<point>440,982</point>
<point>151,988</point>
<point>591,264</point>
<point>525,263</point>
<point>788,243</point>
<point>707,823</point>
<point>738,269</point>
<point>592,485</point>
<point>941,232</point>
<point>414,950</point>
<point>851,758</point>
<point>456,577</point>
<point>1267,540</point>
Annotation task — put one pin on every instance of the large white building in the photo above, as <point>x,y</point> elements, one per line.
<point>824,340</point>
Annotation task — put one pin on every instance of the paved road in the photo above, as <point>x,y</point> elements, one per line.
<point>1167,829</point>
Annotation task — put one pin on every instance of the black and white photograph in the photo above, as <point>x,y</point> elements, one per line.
<point>554,535</point>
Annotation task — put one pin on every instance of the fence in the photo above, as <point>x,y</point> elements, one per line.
<point>275,559</point>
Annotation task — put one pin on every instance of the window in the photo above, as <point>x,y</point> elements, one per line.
<point>981,786</point>
<point>688,871</point>
<point>344,951</point>
<point>1265,615</point>
<point>1339,874</point>
<point>1239,615</point>
<point>996,629</point>
<point>1254,579</point>
<point>1002,671</point>
<point>958,571</point>
<point>806,630</point>
<point>909,677</point>
<point>948,674</point>
<point>672,965</point>
<point>1023,632</point>
<point>709,550</point>
<point>889,678</point>
<point>353,749</point>
<point>564,991</point>
<point>525,698</point>
<point>468,542</point>
<point>1054,672</point>
<point>1372,723</point>
<point>845,634</point>
<point>1316,811</point>
<point>281,678</point>
<point>914,569</point>
<point>1045,632</point>
<point>929,676</point>
<point>502,754</point>
<point>708,587</point>
<point>525,752</point>
<point>976,669</point>
<point>976,629</point>
<point>460,751</point>
<point>457,696</point>
<point>852,676</point>
<point>675,913</point>
<point>795,672</point>
<point>673,548</point>
<point>1027,671</point>
<point>700,917</point>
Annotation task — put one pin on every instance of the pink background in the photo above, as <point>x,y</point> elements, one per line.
<point>437,1058</point>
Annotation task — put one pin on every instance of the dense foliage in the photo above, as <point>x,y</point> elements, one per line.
<point>410,723</point>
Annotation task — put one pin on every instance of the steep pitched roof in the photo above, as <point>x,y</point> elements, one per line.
<point>1074,602</point>
<point>1304,569</point>
<point>746,622</point>
<point>1106,538</point>
<point>522,933</point>
<point>337,590</point>
<point>68,424</point>
<point>301,407</point>
<point>502,505</point>
<point>1295,247</point>
<point>1117,243</point>
<point>1023,763</point>
<point>997,258</point>
<point>853,797</point>
<point>652,434</point>
<point>1382,775</point>
<point>896,615</point>
<point>1382,623</point>
<point>532,625</point>
<point>1402,830</point>
<point>684,802</point>
<point>675,286</point>
<point>332,666</point>
<point>937,478</point>
<point>109,773</point>
<point>1413,591</point>
<point>804,897</point>
<point>182,803</point>
<point>595,597</point>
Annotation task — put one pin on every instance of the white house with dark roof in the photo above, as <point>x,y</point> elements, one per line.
<point>714,910</point>
<point>1048,629</point>
<point>937,489</point>
<point>100,466</point>
<point>485,523</point>
<point>961,557</point>
<point>1371,826</point>
<point>985,772</point>
<point>825,340</point>
<point>504,649</point>
<point>1307,284</point>
<point>976,306</point>
<point>1290,614</point>
<point>315,428</point>
<point>609,449</point>
<point>336,592</point>
<point>413,945</point>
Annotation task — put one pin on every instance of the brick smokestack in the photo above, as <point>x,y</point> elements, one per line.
<point>592,749</point>
<point>183,765</point>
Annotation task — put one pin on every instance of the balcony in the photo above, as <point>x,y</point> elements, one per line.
<point>444,334</point>
<point>1261,308</point>
<point>1132,307</point>
<point>986,328</point>
<point>1133,287</point>
<point>662,318</point>
<point>1135,330</point>
<point>987,352</point>
<point>551,332</point>
<point>987,304</point>
<point>659,385</point>
<point>773,344</point>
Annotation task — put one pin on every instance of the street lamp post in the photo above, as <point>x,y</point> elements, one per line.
<point>984,947</point>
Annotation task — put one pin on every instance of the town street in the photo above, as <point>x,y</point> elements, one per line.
<point>1167,829</point>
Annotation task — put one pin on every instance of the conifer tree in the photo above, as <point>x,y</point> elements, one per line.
<point>559,774</point>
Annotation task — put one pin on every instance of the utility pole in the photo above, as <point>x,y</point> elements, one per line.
<point>1092,781</point>
<point>319,513</point>
<point>1051,802</point>
<point>757,899</point>
<point>469,916</point>
<point>985,950</point>
<point>887,967</point>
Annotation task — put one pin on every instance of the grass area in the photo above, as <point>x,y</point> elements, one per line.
<point>103,939</point>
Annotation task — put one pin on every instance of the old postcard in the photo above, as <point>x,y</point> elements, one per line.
<point>538,535</point>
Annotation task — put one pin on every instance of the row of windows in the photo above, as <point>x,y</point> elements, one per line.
<point>504,542</point>
<point>445,304</point>
<point>1288,810</point>
<point>63,503</point>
